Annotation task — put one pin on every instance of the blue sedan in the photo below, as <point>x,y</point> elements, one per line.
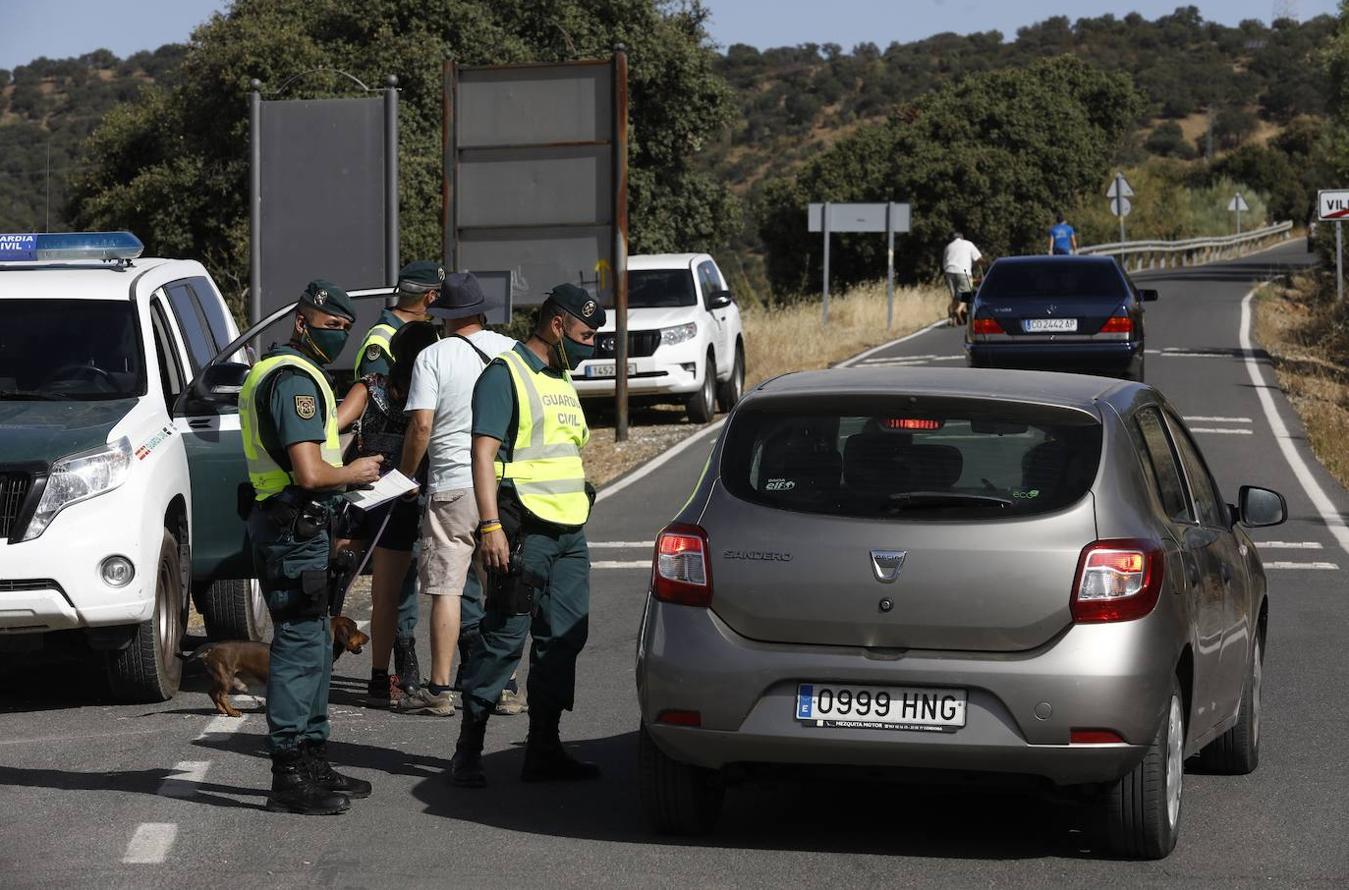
<point>1058,313</point>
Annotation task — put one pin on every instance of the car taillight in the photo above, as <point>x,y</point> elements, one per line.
<point>677,717</point>
<point>1118,324</point>
<point>911,423</point>
<point>681,572</point>
<point>1117,580</point>
<point>1095,737</point>
<point>985,326</point>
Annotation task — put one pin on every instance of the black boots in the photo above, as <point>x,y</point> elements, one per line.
<point>545,758</point>
<point>466,766</point>
<point>405,663</point>
<point>294,789</point>
<point>329,779</point>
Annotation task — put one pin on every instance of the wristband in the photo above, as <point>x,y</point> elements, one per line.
<point>483,522</point>
<point>488,527</point>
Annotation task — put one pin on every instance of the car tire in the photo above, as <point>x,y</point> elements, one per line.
<point>702,405</point>
<point>1140,813</point>
<point>233,609</point>
<point>677,798</point>
<point>149,668</point>
<point>729,393</point>
<point>1237,751</point>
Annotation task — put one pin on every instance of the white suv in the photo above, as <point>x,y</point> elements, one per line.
<point>685,342</point>
<point>118,477</point>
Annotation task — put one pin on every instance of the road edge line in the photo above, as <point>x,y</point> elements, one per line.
<point>641,471</point>
<point>1320,500</point>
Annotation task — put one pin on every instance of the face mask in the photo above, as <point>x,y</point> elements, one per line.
<point>574,352</point>
<point>327,343</point>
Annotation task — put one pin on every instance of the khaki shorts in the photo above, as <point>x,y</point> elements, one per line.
<point>448,542</point>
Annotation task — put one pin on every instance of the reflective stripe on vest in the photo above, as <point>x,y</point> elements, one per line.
<point>380,335</point>
<point>269,477</point>
<point>545,463</point>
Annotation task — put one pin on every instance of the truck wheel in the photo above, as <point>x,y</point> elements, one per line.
<point>1141,812</point>
<point>234,609</point>
<point>1237,751</point>
<point>148,669</point>
<point>677,798</point>
<point>702,405</point>
<point>728,393</point>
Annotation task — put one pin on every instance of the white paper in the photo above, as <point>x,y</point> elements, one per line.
<point>391,485</point>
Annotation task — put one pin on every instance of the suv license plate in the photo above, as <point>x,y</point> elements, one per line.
<point>607,369</point>
<point>880,707</point>
<point>1036,325</point>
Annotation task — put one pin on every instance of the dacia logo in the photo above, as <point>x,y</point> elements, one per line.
<point>886,564</point>
<point>779,485</point>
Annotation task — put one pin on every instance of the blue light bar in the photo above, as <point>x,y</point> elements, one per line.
<point>69,246</point>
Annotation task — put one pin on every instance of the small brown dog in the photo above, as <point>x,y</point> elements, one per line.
<point>231,663</point>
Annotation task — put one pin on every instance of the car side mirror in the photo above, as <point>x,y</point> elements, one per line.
<point>1261,507</point>
<point>966,296</point>
<point>223,379</point>
<point>1148,295</point>
<point>719,299</point>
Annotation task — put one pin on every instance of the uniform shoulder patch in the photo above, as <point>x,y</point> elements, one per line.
<point>306,407</point>
<point>372,352</point>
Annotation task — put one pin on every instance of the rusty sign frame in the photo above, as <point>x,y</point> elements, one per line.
<point>617,223</point>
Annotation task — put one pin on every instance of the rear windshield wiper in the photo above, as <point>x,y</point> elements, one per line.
<point>32,395</point>
<point>915,499</point>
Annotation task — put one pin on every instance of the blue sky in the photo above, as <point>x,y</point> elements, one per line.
<point>60,28</point>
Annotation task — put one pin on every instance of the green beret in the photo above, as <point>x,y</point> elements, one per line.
<point>420,276</point>
<point>325,296</point>
<point>578,302</point>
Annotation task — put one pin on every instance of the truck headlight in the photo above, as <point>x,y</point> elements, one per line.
<point>680,333</point>
<point>80,477</point>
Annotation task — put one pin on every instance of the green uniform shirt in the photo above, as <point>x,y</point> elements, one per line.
<point>375,360</point>
<point>293,395</point>
<point>494,411</point>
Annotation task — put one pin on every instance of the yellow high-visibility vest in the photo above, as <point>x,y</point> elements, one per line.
<point>545,464</point>
<point>380,335</point>
<point>269,477</point>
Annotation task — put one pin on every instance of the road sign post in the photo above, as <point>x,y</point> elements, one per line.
<point>890,218</point>
<point>1119,194</point>
<point>1332,205</point>
<point>1238,203</point>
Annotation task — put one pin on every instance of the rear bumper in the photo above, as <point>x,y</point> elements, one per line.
<point>1114,677</point>
<point>1118,356</point>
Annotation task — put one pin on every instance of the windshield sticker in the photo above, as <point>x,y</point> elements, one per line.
<point>1026,493</point>
<point>779,485</point>
<point>150,444</point>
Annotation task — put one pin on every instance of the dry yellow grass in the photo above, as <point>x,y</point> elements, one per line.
<point>777,340</point>
<point>1292,324</point>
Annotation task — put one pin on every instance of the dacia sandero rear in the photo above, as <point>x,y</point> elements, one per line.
<point>955,572</point>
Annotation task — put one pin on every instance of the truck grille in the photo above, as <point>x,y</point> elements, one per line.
<point>13,493</point>
<point>640,344</point>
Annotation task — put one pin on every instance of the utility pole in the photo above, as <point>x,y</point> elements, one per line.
<point>48,226</point>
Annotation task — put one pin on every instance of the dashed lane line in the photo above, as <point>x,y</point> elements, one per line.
<point>1288,545</point>
<point>1313,566</point>
<point>1199,419</point>
<point>1222,431</point>
<point>222,725</point>
<point>621,564</point>
<point>187,775</point>
<point>151,843</point>
<point>1330,515</point>
<point>620,545</point>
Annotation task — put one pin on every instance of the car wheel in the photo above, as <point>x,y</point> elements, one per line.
<point>1141,812</point>
<point>702,405</point>
<point>728,393</point>
<point>233,609</point>
<point>149,669</point>
<point>1237,751</point>
<point>676,798</point>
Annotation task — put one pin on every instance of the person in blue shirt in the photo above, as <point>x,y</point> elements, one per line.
<point>1062,237</point>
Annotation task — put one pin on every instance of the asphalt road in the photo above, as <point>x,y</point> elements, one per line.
<point>169,795</point>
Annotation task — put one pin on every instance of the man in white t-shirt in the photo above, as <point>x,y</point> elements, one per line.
<point>440,413</point>
<point>957,262</point>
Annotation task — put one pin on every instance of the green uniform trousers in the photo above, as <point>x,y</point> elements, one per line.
<point>302,646</point>
<point>559,563</point>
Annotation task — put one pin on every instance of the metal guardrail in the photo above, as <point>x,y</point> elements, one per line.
<point>1139,255</point>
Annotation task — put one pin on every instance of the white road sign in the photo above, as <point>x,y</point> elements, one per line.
<point>1238,203</point>
<point>1333,204</point>
<point>1120,206</point>
<point>1119,186</point>
<point>858,218</point>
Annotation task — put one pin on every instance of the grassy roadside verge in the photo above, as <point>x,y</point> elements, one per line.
<point>1307,337</point>
<point>776,341</point>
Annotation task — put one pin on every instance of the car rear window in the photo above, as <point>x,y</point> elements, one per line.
<point>909,458</point>
<point>1052,279</point>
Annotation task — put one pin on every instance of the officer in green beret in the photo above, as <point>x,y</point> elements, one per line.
<point>418,287</point>
<point>528,429</point>
<point>288,418</point>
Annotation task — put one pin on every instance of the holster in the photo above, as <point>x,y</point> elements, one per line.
<point>512,592</point>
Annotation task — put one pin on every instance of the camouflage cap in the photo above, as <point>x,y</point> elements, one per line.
<point>325,296</point>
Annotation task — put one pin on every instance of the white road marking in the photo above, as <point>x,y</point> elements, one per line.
<point>1324,505</point>
<point>187,775</point>
<point>1318,566</point>
<point>222,725</point>
<point>1170,353</point>
<point>620,545</point>
<point>1220,430</point>
<point>875,362</point>
<point>1288,545</point>
<point>1218,420</point>
<point>151,843</point>
<point>621,564</point>
<point>656,463</point>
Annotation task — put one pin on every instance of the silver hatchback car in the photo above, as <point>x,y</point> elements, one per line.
<point>956,570</point>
